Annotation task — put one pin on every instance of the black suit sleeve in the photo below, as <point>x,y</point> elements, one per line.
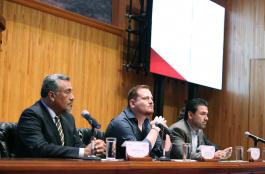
<point>37,138</point>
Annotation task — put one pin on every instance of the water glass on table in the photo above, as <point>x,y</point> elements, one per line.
<point>239,153</point>
<point>111,148</point>
<point>186,149</point>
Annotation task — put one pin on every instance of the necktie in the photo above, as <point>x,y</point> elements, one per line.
<point>59,128</point>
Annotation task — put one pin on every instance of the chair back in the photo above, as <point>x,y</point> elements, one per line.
<point>7,139</point>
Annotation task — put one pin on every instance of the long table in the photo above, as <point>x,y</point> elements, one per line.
<point>79,166</point>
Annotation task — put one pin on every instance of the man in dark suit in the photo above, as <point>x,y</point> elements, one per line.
<point>189,130</point>
<point>47,129</point>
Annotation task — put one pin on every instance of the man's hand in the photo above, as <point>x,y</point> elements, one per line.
<point>97,145</point>
<point>218,154</point>
<point>100,147</point>
<point>223,154</point>
<point>159,119</point>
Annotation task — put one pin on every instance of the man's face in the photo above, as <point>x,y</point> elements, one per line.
<point>198,120</point>
<point>63,98</point>
<point>143,104</point>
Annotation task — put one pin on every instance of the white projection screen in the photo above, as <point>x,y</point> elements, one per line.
<point>187,41</point>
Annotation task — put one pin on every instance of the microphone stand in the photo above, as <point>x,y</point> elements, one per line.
<point>256,140</point>
<point>163,136</point>
<point>92,156</point>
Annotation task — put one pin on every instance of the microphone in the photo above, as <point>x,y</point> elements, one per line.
<point>90,120</point>
<point>163,128</point>
<point>254,137</point>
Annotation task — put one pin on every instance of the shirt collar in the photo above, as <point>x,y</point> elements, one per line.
<point>51,112</point>
<point>129,113</point>
<point>194,132</point>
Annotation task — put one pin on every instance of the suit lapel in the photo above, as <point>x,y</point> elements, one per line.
<point>200,138</point>
<point>187,130</point>
<point>50,124</point>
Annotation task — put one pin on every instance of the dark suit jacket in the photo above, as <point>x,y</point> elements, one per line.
<point>181,134</point>
<point>37,135</point>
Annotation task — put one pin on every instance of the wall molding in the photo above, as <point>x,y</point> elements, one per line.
<point>70,16</point>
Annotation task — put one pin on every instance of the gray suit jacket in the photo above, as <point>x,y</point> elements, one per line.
<point>181,134</point>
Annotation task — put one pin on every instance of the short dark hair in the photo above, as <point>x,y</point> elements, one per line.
<point>50,83</point>
<point>132,94</point>
<point>193,104</point>
<point>181,113</point>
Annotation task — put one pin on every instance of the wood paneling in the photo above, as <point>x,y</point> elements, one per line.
<point>257,98</point>
<point>230,115</point>
<point>175,96</point>
<point>70,16</point>
<point>36,44</point>
<point>1,8</point>
<point>118,13</point>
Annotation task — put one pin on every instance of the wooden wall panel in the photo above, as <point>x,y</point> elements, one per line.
<point>118,13</point>
<point>229,109</point>
<point>175,96</point>
<point>36,44</point>
<point>257,99</point>
<point>46,8</point>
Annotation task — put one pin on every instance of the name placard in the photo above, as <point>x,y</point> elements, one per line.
<point>207,151</point>
<point>136,149</point>
<point>254,153</point>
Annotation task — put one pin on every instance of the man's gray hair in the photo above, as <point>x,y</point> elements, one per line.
<point>50,83</point>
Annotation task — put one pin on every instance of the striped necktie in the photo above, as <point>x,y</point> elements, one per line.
<point>59,128</point>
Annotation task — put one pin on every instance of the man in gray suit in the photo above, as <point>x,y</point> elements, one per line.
<point>189,130</point>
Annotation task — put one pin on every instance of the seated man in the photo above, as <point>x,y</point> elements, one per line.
<point>133,123</point>
<point>189,130</point>
<point>47,129</point>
